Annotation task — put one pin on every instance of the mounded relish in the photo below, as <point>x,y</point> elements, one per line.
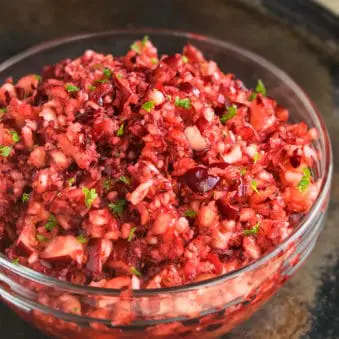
<point>147,171</point>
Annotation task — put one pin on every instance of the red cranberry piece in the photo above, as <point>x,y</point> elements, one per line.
<point>295,159</point>
<point>295,218</point>
<point>98,252</point>
<point>228,210</point>
<point>198,180</point>
<point>186,87</point>
<point>173,61</point>
<point>221,165</point>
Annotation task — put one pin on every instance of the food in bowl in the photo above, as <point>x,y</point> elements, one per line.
<point>147,171</point>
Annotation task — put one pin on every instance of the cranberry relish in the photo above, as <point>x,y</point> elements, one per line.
<point>147,171</point>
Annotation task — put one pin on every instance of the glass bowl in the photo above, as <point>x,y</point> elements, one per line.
<point>207,308</point>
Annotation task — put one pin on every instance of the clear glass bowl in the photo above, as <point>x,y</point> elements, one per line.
<point>204,309</point>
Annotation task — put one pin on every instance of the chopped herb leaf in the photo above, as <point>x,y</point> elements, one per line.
<point>135,271</point>
<point>252,96</point>
<point>231,113</point>
<point>82,239</point>
<point>169,97</point>
<point>51,223</point>
<point>183,103</point>
<point>131,233</point>
<point>3,110</point>
<point>41,238</point>
<point>185,59</point>
<point>305,180</point>
<point>254,186</point>
<point>107,184</point>
<point>256,157</point>
<point>107,72</point>
<point>15,261</point>
<point>125,180</point>
<point>120,131</point>
<point>91,88</point>
<point>71,181</point>
<point>5,151</point>
<point>148,106</point>
<point>102,81</point>
<point>135,47</point>
<point>119,76</point>
<point>71,88</point>
<point>252,231</point>
<point>37,76</point>
<point>190,214</point>
<point>15,136</point>
<point>118,207</point>
<point>243,171</point>
<point>75,310</point>
<point>154,61</point>
<point>144,40</point>
<point>25,197</point>
<point>90,196</point>
<point>260,88</point>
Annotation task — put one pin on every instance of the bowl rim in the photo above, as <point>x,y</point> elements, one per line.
<point>277,72</point>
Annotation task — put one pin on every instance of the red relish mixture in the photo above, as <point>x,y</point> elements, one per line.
<point>145,171</point>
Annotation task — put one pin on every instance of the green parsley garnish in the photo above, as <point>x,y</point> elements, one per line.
<point>135,47</point>
<point>252,231</point>
<point>120,131</point>
<point>252,96</point>
<point>15,136</point>
<point>256,157</point>
<point>144,40</point>
<point>75,310</point>
<point>107,72</point>
<point>119,76</point>
<point>305,180</point>
<point>154,61</point>
<point>102,81</point>
<point>90,196</point>
<point>260,88</point>
<point>243,171</point>
<point>71,181</point>
<point>254,186</point>
<point>148,106</point>
<point>37,76</point>
<point>184,59</point>
<point>231,112</point>
<point>5,151</point>
<point>25,197</point>
<point>41,238</point>
<point>131,233</point>
<point>91,88</point>
<point>190,213</point>
<point>183,103</point>
<point>135,271</point>
<point>51,223</point>
<point>15,261</point>
<point>71,88</point>
<point>107,184</point>
<point>82,239</point>
<point>125,180</point>
<point>118,207</point>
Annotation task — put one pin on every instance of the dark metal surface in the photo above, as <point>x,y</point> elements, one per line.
<point>307,306</point>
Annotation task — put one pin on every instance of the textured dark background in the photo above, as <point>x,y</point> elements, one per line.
<point>299,37</point>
